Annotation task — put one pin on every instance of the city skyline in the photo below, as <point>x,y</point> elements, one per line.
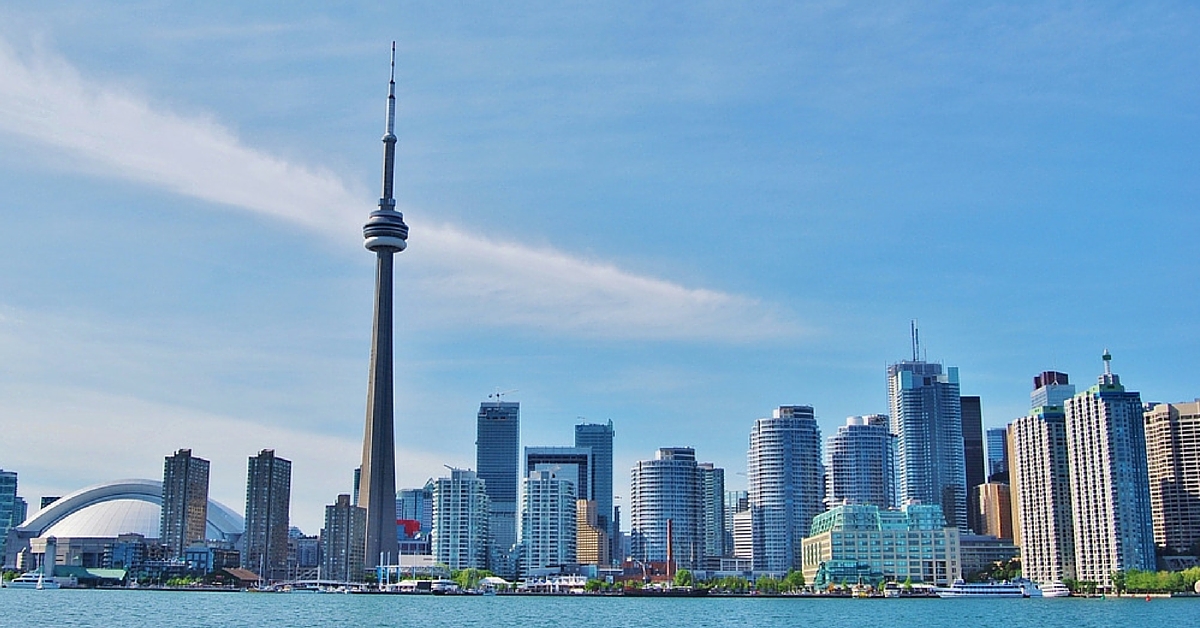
<point>570,168</point>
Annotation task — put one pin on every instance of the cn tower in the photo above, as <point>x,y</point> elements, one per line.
<point>385,234</point>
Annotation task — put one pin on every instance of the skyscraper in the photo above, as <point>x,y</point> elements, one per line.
<point>971,412</point>
<point>1173,453</point>
<point>268,499</point>
<point>342,541</point>
<point>460,520</point>
<point>599,438</point>
<point>1110,486</point>
<point>184,502</point>
<point>995,512</point>
<point>385,234</point>
<point>591,545</point>
<point>548,521</point>
<point>862,463</point>
<point>997,454</point>
<point>1039,483</point>
<point>784,473</point>
<point>416,504</point>
<point>926,416</point>
<point>8,507</point>
<point>498,463</point>
<point>667,488</point>
<point>712,481</point>
<point>568,463</point>
<point>735,502</point>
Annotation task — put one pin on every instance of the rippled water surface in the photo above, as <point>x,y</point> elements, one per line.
<point>27,608</point>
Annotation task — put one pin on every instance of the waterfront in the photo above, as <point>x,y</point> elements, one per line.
<point>180,610</point>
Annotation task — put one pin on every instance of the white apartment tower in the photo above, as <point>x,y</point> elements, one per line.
<point>1110,489</point>
<point>1040,483</point>
<point>460,521</point>
<point>861,467</point>
<point>784,474</point>
<point>667,488</point>
<point>548,520</point>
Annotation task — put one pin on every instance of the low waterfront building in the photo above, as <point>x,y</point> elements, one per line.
<point>978,552</point>
<point>862,543</point>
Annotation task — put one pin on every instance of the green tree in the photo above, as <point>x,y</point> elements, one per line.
<point>1118,580</point>
<point>468,579</point>
<point>683,578</point>
<point>793,581</point>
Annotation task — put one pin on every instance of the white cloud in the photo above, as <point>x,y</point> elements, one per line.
<point>115,436</point>
<point>463,278</point>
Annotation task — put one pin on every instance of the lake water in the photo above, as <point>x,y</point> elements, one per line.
<point>26,608</point>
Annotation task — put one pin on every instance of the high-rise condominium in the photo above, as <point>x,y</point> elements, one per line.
<point>548,521</point>
<point>498,463</point>
<point>184,502</point>
<point>861,465</point>
<point>1173,451</point>
<point>268,498</point>
<point>1110,487</point>
<point>460,520</point>
<point>385,234</point>
<point>784,474</point>
<point>667,488</point>
<point>343,541</point>
<point>926,415</point>
<point>712,480</point>
<point>1039,482</point>
<point>599,438</point>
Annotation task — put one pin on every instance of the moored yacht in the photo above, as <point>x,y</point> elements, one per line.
<point>1055,589</point>
<point>34,580</point>
<point>981,589</point>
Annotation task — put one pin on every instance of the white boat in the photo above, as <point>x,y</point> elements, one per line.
<point>1055,589</point>
<point>981,589</point>
<point>34,580</point>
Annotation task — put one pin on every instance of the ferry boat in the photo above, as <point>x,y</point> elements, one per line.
<point>981,589</point>
<point>1055,589</point>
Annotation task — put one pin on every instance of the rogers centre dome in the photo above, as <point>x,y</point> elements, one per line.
<point>121,507</point>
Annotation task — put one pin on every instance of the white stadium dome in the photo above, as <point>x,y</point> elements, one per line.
<point>121,507</point>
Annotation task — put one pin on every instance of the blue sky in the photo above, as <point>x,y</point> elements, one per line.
<point>675,217</point>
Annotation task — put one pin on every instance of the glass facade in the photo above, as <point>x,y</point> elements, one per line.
<point>498,463</point>
<point>786,491</point>
<point>926,416</point>
<point>865,544</point>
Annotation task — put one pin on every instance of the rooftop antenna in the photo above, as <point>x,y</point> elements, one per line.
<point>389,138</point>
<point>499,394</point>
<point>916,340</point>
<point>1107,357</point>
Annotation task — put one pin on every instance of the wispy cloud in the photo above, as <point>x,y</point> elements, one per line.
<point>102,427</point>
<point>46,101</point>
